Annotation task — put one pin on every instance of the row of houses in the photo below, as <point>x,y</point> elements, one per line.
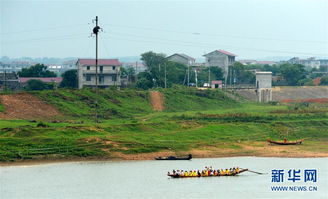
<point>310,62</point>
<point>220,58</point>
<point>109,69</point>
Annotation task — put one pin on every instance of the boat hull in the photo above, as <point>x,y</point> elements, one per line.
<point>285,143</point>
<point>174,158</point>
<point>233,174</point>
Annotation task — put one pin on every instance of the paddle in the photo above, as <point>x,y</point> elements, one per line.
<point>255,172</point>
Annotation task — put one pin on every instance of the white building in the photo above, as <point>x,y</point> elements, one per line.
<point>108,72</point>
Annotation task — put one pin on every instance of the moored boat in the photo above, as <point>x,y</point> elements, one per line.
<point>174,158</point>
<point>285,142</point>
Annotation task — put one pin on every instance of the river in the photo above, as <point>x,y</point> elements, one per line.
<point>147,179</point>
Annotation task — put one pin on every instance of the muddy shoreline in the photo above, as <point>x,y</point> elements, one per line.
<point>151,156</point>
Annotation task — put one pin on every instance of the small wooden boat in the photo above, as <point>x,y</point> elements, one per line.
<point>174,158</point>
<point>285,142</point>
<point>231,174</point>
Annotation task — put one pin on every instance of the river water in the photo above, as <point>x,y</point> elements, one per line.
<point>147,179</point>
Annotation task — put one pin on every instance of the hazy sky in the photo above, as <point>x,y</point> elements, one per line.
<point>248,28</point>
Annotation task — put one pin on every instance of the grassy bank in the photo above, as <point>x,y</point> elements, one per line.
<point>208,124</point>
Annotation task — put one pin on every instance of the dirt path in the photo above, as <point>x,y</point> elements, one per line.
<point>26,106</point>
<point>157,100</point>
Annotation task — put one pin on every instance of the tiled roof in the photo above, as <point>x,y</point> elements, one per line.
<point>227,53</point>
<point>224,52</point>
<point>182,55</point>
<point>43,79</point>
<point>106,62</point>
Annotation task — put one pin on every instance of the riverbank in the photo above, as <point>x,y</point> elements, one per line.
<point>267,151</point>
<point>203,123</point>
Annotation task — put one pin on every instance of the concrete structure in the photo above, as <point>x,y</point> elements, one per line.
<point>9,81</point>
<point>220,58</point>
<point>289,93</point>
<point>264,86</point>
<point>108,73</point>
<point>182,59</point>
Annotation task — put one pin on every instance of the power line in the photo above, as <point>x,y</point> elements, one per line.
<point>215,35</point>
<point>42,29</point>
<point>194,44</point>
<point>42,39</point>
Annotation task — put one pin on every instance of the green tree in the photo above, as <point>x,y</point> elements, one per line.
<point>154,63</point>
<point>38,70</point>
<point>69,79</point>
<point>306,82</point>
<point>158,67</point>
<point>128,73</point>
<point>35,84</point>
<point>202,74</point>
<point>144,83</point>
<point>293,73</point>
<point>324,80</point>
<point>241,74</point>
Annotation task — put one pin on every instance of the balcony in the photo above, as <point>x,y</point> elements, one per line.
<point>100,72</point>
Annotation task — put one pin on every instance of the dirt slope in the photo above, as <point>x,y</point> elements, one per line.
<point>25,106</point>
<point>157,101</point>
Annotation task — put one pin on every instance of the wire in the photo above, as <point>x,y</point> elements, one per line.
<point>42,29</point>
<point>213,35</point>
<point>194,44</point>
<point>61,37</point>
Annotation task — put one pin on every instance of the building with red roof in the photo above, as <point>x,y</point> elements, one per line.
<point>107,73</point>
<point>220,58</point>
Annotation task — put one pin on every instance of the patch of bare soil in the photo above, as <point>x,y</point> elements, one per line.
<point>26,106</point>
<point>157,100</point>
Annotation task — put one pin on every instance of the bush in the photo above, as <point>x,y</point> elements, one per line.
<point>35,84</point>
<point>324,80</point>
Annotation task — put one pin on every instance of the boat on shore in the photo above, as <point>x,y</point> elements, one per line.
<point>198,176</point>
<point>174,158</point>
<point>285,142</point>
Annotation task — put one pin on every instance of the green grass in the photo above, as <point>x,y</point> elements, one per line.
<point>111,103</point>
<point>192,120</point>
<point>192,99</point>
<point>1,108</point>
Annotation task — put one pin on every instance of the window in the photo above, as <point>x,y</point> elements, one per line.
<point>88,78</point>
<point>88,67</point>
<point>113,67</point>
<point>101,79</point>
<point>114,78</point>
<point>101,68</point>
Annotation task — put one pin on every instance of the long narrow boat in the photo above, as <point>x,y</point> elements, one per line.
<point>285,142</point>
<point>232,174</point>
<point>174,158</point>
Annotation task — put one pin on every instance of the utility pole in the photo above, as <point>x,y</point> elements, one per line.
<point>188,76</point>
<point>196,79</point>
<point>165,74</point>
<point>136,73</point>
<point>230,75</point>
<point>96,31</point>
<point>5,80</point>
<point>209,76</point>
